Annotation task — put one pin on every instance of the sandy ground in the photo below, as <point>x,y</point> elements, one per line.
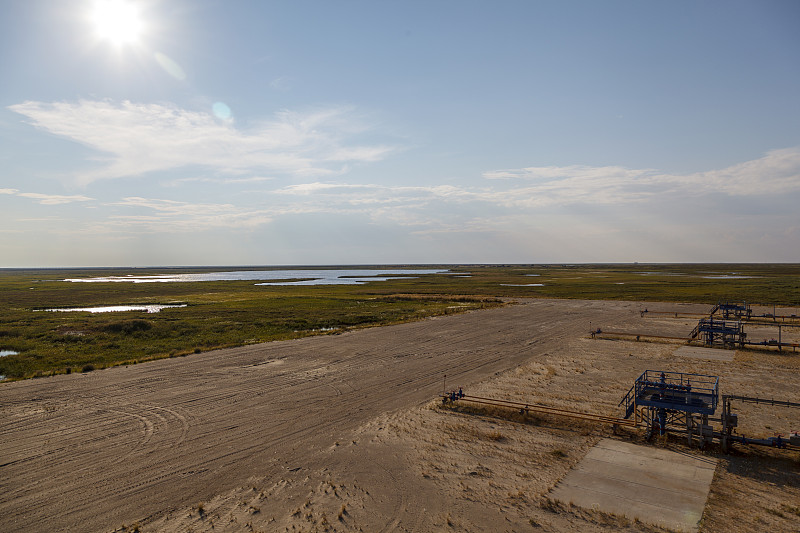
<point>342,432</point>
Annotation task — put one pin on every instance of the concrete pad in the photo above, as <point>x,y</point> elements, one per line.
<point>660,487</point>
<point>711,354</point>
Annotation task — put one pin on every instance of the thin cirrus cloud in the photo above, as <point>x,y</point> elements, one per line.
<point>376,200</point>
<point>171,215</point>
<point>527,191</point>
<point>518,194</point>
<point>223,181</point>
<point>141,138</point>
<point>506,200</point>
<point>47,199</point>
<point>565,191</point>
<point>778,172</point>
<point>775,173</point>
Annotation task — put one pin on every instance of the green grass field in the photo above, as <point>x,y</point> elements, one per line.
<point>234,313</point>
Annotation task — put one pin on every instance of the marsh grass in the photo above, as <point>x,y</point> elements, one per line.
<point>235,313</point>
<point>218,315</point>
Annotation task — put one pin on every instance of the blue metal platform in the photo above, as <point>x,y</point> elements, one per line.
<point>675,391</point>
<point>733,310</point>
<point>725,332</point>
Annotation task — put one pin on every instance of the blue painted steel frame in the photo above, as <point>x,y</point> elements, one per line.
<point>677,391</point>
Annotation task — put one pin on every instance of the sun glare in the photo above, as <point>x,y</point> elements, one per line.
<point>117,21</point>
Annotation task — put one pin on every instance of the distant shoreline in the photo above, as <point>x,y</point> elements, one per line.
<point>371,266</point>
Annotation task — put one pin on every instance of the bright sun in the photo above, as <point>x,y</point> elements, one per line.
<point>117,21</point>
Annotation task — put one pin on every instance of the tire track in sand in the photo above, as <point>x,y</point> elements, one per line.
<point>205,424</point>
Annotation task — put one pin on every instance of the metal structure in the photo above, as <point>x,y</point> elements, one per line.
<point>525,408</point>
<point>730,421</point>
<point>727,333</point>
<point>742,311</point>
<point>737,310</point>
<point>599,333</point>
<point>731,334</point>
<point>672,314</point>
<point>720,332</point>
<point>673,401</point>
<point>664,402</point>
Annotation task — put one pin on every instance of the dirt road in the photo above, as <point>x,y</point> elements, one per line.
<point>97,450</point>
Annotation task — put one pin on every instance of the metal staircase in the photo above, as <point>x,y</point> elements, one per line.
<point>630,402</point>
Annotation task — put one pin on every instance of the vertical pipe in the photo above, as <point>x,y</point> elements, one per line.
<point>724,424</point>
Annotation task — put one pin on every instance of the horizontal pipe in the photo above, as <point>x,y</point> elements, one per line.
<point>750,399</point>
<point>673,313</point>
<point>687,339</point>
<point>624,334</point>
<point>771,323</point>
<point>547,410</point>
<point>768,343</point>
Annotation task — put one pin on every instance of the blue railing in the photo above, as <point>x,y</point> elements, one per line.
<point>677,390</point>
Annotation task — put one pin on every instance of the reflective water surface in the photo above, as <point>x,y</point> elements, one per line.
<point>728,276</point>
<point>150,308</point>
<point>272,277</point>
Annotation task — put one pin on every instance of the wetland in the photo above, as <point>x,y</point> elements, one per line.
<point>223,308</point>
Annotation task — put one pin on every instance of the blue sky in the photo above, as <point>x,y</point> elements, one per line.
<point>312,132</point>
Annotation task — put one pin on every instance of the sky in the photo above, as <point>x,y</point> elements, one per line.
<point>236,132</point>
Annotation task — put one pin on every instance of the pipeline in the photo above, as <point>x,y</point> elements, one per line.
<point>454,396</point>
<point>772,442</point>
<point>637,335</point>
<point>672,314</point>
<point>765,344</point>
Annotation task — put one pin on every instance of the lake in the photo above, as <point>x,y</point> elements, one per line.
<point>272,277</point>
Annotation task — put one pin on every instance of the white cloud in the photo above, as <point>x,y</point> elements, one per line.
<point>223,181</point>
<point>141,138</point>
<point>54,199</point>
<point>317,187</point>
<point>372,190</point>
<point>573,171</point>
<point>48,199</point>
<point>171,215</point>
<point>776,173</point>
<point>610,196</point>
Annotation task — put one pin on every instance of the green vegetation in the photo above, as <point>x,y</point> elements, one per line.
<point>235,313</point>
<point>765,284</point>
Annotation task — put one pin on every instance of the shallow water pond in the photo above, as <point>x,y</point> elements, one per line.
<point>149,308</point>
<point>728,276</point>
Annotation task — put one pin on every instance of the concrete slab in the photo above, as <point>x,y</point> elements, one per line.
<point>710,354</point>
<point>660,487</point>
